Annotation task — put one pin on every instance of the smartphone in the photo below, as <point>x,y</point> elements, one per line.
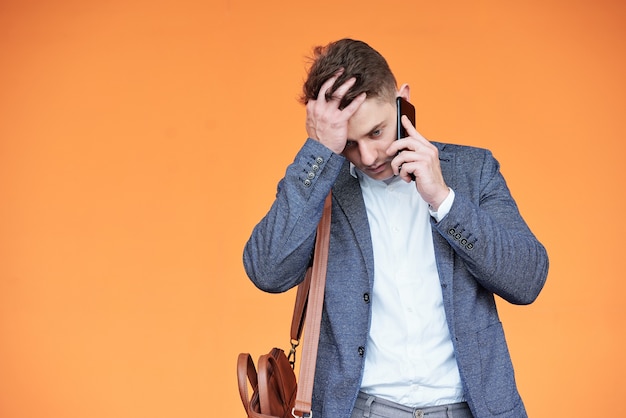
<point>404,108</point>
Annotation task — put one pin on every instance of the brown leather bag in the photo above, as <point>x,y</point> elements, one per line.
<point>275,392</point>
<point>274,387</point>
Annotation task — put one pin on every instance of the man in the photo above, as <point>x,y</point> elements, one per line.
<point>409,325</point>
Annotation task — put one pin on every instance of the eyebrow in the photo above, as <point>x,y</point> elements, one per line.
<point>369,133</point>
<point>375,127</point>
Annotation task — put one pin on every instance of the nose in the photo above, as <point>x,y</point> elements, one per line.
<point>367,153</point>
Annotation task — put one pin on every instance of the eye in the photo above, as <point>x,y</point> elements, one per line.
<point>350,144</point>
<point>376,133</point>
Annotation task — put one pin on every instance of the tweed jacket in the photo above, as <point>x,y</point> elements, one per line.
<point>482,247</point>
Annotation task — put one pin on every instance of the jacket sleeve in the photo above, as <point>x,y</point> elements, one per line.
<point>486,230</point>
<point>280,247</point>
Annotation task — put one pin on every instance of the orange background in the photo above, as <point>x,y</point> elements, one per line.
<point>140,141</point>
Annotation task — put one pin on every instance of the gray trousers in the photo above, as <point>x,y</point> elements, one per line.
<point>372,407</point>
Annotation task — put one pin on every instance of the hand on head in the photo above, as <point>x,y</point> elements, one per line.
<point>325,121</point>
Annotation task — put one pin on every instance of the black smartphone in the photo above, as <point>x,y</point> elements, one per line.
<point>404,108</point>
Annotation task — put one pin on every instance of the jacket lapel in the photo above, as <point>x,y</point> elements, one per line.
<point>347,194</point>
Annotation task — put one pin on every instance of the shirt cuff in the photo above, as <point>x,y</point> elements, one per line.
<point>444,208</point>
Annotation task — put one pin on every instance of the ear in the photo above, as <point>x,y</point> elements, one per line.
<point>404,91</point>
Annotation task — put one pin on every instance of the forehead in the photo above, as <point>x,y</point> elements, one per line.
<point>370,115</point>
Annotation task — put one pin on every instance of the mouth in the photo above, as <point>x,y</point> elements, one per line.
<point>377,169</point>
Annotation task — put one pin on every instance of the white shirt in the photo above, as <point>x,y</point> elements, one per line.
<point>409,355</point>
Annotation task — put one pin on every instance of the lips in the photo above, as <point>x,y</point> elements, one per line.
<point>378,169</point>
<point>375,170</point>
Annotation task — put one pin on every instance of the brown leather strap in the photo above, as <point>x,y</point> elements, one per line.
<point>314,313</point>
<point>246,372</point>
<point>267,363</point>
<point>299,310</point>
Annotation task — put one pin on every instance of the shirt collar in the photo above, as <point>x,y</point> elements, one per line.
<point>353,171</point>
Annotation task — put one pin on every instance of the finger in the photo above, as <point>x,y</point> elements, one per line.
<point>343,89</point>
<point>410,129</point>
<point>328,84</point>
<point>400,145</point>
<point>405,172</point>
<point>398,161</point>
<point>354,105</point>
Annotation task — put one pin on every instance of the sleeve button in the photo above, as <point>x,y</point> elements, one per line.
<point>361,351</point>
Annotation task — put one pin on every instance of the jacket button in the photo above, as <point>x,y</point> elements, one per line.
<point>307,183</point>
<point>315,167</point>
<point>319,160</point>
<point>311,175</point>
<point>361,351</point>
<point>451,231</point>
<point>463,242</point>
<point>366,297</point>
<point>469,246</point>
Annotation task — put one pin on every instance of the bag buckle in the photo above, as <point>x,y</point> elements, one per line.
<point>304,415</point>
<point>292,353</point>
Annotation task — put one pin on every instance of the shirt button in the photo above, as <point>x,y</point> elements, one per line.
<point>366,297</point>
<point>361,351</point>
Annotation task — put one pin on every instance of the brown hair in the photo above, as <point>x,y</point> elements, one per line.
<point>357,59</point>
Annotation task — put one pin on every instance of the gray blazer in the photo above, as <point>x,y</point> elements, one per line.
<point>483,247</point>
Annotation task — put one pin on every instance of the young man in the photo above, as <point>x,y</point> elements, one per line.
<point>409,325</point>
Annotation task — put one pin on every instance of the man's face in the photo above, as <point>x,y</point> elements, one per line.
<point>371,130</point>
